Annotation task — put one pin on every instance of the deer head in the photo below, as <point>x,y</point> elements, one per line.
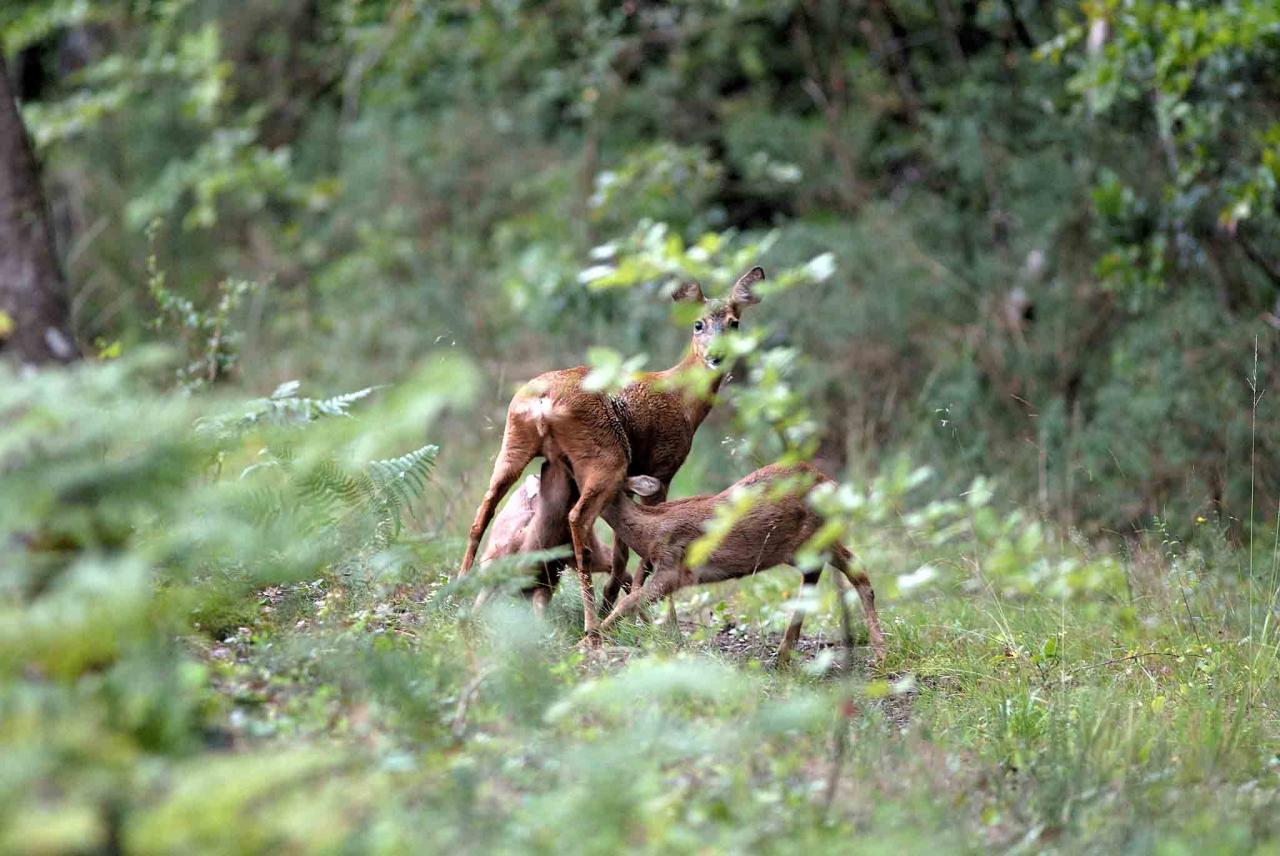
<point>718,316</point>
<point>642,485</point>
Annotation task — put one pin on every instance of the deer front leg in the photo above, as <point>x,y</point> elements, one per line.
<point>643,568</point>
<point>792,635</point>
<point>618,579</point>
<point>862,583</point>
<point>664,581</point>
<point>617,575</point>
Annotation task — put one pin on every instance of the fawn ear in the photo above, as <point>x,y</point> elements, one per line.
<point>643,485</point>
<point>689,292</point>
<point>742,295</point>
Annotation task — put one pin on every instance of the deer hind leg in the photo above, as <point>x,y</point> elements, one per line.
<point>620,582</point>
<point>597,486</point>
<point>792,635</point>
<point>516,453</point>
<point>862,584</point>
<point>663,582</point>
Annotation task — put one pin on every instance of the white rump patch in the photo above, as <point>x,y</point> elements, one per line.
<point>539,410</point>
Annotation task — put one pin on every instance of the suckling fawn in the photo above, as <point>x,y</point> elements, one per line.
<point>778,523</point>
<point>524,526</point>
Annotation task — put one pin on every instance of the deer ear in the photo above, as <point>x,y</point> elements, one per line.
<point>643,485</point>
<point>742,295</point>
<point>689,292</point>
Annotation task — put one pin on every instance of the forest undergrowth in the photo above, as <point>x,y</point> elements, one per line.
<point>235,628</point>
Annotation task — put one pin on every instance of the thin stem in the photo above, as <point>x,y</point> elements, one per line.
<point>1273,591</point>
<point>1127,658</point>
<point>840,737</point>
<point>1254,398</point>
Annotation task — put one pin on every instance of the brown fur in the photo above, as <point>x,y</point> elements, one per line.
<point>769,534</point>
<point>519,528</point>
<point>647,427</point>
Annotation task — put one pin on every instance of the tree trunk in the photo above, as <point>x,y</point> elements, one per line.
<point>33,307</point>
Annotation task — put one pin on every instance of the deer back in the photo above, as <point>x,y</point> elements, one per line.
<point>768,534</point>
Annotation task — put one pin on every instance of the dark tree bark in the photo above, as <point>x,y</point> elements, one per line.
<point>32,291</point>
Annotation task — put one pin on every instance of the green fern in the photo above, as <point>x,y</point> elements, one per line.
<point>400,481</point>
<point>285,407</point>
<point>338,404</point>
<point>327,484</point>
<point>327,495</point>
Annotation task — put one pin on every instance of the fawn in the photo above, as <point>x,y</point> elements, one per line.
<point>647,428</point>
<point>524,526</point>
<point>776,526</point>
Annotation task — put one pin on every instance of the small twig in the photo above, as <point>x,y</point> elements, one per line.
<point>1195,628</point>
<point>840,736</point>
<point>458,726</point>
<point>1127,658</point>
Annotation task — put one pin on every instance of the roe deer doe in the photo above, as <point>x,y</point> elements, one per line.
<point>778,523</point>
<point>647,427</point>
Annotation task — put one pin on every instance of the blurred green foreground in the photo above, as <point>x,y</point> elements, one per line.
<point>228,626</point>
<point>1023,265</point>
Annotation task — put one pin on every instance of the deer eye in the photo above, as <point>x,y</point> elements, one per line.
<point>697,326</point>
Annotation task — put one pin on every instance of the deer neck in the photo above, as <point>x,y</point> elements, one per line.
<point>630,523</point>
<point>696,407</point>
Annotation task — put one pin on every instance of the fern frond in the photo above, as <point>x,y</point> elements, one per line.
<point>328,485</point>
<point>338,405</point>
<point>411,469</point>
<point>284,407</point>
<point>399,481</point>
<point>288,389</point>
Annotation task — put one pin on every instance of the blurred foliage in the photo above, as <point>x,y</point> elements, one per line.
<point>1022,269</point>
<point>1025,218</point>
<point>128,532</point>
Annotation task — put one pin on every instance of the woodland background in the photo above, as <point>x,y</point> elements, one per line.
<point>1024,295</point>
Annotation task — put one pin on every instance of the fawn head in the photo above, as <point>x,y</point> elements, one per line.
<point>642,485</point>
<point>718,316</point>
